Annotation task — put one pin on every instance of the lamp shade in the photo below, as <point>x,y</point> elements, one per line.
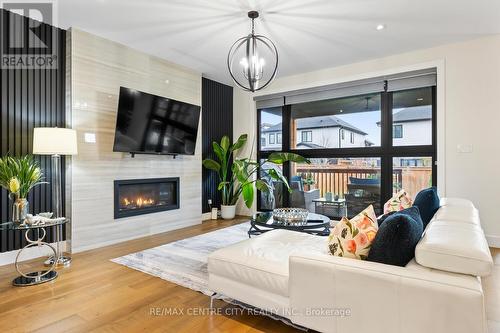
<point>54,141</point>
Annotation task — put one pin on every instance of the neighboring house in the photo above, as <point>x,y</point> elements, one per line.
<point>411,126</point>
<point>270,137</point>
<point>328,132</point>
<point>317,132</point>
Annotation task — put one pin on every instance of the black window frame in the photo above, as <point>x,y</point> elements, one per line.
<point>306,132</point>
<point>394,136</point>
<point>386,151</point>
<point>273,140</point>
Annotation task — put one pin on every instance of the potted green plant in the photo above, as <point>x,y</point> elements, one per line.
<point>238,177</point>
<point>18,175</point>
<point>309,182</point>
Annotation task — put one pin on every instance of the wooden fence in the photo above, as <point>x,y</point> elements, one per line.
<point>335,179</point>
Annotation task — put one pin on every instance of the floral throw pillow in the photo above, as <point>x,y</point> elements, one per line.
<point>399,201</point>
<point>353,238</point>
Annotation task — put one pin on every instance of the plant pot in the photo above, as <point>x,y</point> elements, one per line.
<point>228,212</point>
<point>20,210</point>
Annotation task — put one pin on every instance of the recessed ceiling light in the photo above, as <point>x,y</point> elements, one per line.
<point>167,81</point>
<point>380,27</point>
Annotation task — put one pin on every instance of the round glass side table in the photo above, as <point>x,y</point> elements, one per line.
<point>34,235</point>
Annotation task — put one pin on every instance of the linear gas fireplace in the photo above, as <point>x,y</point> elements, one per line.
<point>144,196</point>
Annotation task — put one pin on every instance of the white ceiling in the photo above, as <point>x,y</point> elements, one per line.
<point>310,35</point>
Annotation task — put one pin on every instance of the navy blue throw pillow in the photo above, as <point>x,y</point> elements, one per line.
<point>384,217</point>
<point>427,202</point>
<point>397,238</point>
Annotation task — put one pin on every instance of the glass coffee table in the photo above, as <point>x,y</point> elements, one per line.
<point>316,224</point>
<point>34,235</point>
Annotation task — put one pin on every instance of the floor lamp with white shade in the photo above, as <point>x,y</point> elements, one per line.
<point>56,141</point>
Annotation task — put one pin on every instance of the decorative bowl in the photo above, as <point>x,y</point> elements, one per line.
<point>290,216</point>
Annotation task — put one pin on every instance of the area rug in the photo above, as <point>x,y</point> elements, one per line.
<point>184,262</point>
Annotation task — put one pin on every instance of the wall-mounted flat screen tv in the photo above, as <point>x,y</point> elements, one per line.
<point>150,124</point>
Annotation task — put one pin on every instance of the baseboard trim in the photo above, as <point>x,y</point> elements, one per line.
<point>8,258</point>
<point>493,241</point>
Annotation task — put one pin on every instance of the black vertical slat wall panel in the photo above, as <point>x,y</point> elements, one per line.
<point>30,98</point>
<point>217,121</point>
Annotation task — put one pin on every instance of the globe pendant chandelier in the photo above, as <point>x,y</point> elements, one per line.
<point>253,60</point>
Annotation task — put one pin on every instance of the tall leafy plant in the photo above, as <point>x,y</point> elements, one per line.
<point>19,175</point>
<point>238,177</point>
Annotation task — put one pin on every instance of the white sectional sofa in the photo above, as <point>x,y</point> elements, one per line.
<point>291,274</point>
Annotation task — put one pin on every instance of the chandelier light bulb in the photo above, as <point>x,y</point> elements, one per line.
<point>244,63</point>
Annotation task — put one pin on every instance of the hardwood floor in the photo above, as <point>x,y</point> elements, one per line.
<point>96,295</point>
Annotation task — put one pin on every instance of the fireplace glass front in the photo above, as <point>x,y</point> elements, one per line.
<point>144,196</point>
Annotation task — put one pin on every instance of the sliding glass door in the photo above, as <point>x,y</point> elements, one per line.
<point>362,148</point>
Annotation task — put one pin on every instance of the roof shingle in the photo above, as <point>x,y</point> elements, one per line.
<point>413,114</point>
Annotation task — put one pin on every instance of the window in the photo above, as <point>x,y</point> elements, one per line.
<point>278,138</point>
<point>412,174</point>
<point>307,136</point>
<point>360,155</point>
<point>397,131</point>
<point>350,184</point>
<point>270,125</point>
<point>332,119</point>
<point>274,199</point>
<point>413,109</point>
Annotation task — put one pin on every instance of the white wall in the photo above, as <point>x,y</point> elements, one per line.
<point>98,68</point>
<point>359,139</point>
<point>245,122</point>
<point>468,114</point>
<point>325,137</point>
<point>415,133</point>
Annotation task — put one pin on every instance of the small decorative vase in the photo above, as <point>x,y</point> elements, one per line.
<point>20,210</point>
<point>228,212</point>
